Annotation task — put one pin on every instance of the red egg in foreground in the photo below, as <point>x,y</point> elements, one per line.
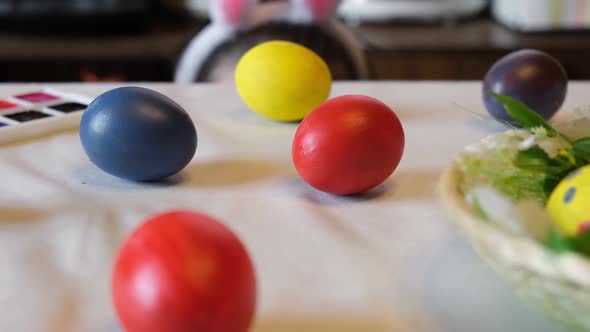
<point>183,272</point>
<point>348,145</point>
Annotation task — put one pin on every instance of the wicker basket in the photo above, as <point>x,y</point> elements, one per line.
<point>557,284</point>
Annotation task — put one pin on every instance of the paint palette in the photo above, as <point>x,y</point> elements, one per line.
<point>39,112</point>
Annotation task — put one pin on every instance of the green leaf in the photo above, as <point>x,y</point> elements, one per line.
<point>581,149</point>
<point>581,243</point>
<point>478,209</point>
<point>534,159</point>
<point>561,244</point>
<point>550,184</point>
<point>557,242</point>
<point>567,156</point>
<point>522,114</point>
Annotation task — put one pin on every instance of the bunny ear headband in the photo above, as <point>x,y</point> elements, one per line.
<point>231,16</point>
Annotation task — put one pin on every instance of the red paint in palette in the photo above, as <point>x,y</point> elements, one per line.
<point>37,97</point>
<point>5,104</point>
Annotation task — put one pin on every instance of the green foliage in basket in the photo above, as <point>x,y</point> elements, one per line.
<point>572,156</point>
<point>497,168</point>
<point>561,244</point>
<point>523,170</point>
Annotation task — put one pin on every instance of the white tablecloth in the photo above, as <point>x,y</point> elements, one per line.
<point>386,261</point>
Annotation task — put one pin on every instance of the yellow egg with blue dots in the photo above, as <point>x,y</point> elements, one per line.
<point>282,81</point>
<point>569,203</point>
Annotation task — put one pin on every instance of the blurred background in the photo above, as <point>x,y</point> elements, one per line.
<point>142,40</point>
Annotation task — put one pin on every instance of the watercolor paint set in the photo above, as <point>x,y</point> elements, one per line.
<point>39,112</point>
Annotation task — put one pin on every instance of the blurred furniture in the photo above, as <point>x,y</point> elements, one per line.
<point>198,8</point>
<point>543,15</point>
<point>462,50</point>
<point>67,15</point>
<point>148,54</point>
<point>404,10</point>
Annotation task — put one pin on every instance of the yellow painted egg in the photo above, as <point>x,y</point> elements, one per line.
<point>282,80</point>
<point>569,203</point>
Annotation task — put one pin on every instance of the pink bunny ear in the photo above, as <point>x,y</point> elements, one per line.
<point>232,12</point>
<point>321,9</point>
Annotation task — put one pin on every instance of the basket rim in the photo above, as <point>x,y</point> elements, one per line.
<point>571,268</point>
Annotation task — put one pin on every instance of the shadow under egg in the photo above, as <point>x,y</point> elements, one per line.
<point>300,188</point>
<point>231,172</point>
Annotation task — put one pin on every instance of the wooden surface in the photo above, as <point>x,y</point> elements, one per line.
<point>481,34</point>
<point>463,51</point>
<point>460,51</point>
<point>147,56</point>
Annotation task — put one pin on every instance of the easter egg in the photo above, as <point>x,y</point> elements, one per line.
<point>348,145</point>
<point>282,81</point>
<point>568,203</point>
<point>530,76</point>
<point>183,271</point>
<point>137,134</point>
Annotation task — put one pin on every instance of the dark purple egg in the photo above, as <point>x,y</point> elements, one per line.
<point>530,76</point>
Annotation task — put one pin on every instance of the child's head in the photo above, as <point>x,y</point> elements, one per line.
<point>219,66</point>
<point>213,55</point>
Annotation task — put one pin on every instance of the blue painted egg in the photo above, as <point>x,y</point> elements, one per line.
<point>138,134</point>
<point>530,76</point>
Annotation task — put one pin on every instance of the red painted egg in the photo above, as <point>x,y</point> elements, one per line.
<point>183,272</point>
<point>348,145</point>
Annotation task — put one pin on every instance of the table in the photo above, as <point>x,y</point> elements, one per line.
<point>384,261</point>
